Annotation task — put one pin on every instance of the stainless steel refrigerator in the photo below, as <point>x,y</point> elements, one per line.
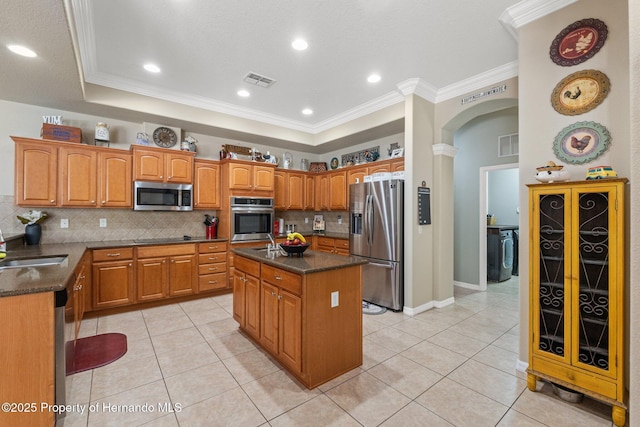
<point>376,233</point>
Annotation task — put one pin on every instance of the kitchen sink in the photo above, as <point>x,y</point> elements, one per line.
<point>34,262</point>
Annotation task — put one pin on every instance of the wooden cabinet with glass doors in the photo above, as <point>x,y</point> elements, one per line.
<point>576,308</point>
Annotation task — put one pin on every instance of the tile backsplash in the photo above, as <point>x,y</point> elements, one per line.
<point>126,224</point>
<point>122,224</point>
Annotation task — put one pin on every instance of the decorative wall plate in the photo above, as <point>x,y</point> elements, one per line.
<point>580,92</point>
<point>578,42</point>
<point>581,142</point>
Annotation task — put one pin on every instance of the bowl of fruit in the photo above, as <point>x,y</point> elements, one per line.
<point>295,244</point>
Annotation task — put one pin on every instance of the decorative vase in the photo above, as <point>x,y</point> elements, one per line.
<point>32,234</point>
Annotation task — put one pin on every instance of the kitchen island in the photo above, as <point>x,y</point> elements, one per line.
<point>304,311</point>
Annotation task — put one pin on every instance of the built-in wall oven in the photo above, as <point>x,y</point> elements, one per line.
<point>251,218</point>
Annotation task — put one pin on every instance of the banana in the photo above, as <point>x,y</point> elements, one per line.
<point>2,255</point>
<point>297,235</point>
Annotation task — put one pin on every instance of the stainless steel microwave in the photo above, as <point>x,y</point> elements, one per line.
<point>159,196</point>
<point>251,218</point>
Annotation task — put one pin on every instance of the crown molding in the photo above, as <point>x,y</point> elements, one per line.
<point>488,78</point>
<point>528,11</point>
<point>418,87</point>
<point>82,15</point>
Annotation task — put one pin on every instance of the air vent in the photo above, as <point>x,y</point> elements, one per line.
<point>259,80</point>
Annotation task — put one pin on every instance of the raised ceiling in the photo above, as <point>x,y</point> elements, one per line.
<point>205,48</point>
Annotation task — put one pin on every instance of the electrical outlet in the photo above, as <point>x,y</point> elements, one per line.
<point>339,219</point>
<point>306,220</point>
<point>335,299</point>
<point>64,223</point>
<point>103,222</point>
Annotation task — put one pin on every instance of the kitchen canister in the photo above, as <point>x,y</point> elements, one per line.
<point>304,164</point>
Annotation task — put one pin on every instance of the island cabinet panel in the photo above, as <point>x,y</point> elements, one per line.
<point>314,336</point>
<point>246,292</point>
<point>27,358</point>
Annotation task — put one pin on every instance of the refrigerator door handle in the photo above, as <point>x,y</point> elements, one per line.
<point>369,215</point>
<point>376,264</point>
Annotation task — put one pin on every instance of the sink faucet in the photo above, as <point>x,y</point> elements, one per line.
<point>273,242</point>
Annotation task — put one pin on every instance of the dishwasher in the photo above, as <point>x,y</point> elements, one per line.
<point>61,298</point>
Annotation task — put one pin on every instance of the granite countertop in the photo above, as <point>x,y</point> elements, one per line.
<point>29,280</point>
<point>311,262</point>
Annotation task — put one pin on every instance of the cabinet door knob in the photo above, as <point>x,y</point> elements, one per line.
<point>104,203</point>
<point>130,265</point>
<point>279,296</point>
<point>273,294</point>
<point>93,202</point>
<point>52,201</point>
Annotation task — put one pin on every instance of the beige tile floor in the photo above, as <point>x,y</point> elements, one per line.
<point>453,366</point>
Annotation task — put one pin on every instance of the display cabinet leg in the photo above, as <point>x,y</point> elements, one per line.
<point>531,382</point>
<point>618,415</point>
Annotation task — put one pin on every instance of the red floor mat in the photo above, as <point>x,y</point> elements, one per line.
<point>93,352</point>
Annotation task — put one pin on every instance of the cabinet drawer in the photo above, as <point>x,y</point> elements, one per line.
<point>282,278</point>
<point>212,257</point>
<point>209,282</point>
<point>205,248</point>
<point>113,254</point>
<point>219,267</point>
<point>248,266</point>
<point>342,244</point>
<point>326,241</point>
<point>168,250</point>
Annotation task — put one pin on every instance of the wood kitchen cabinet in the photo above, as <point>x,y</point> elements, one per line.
<point>165,271</point>
<point>338,191</point>
<point>576,283</point>
<point>332,245</point>
<point>244,177</point>
<point>289,190</point>
<point>309,191</point>
<point>112,278</point>
<point>314,339</point>
<point>162,165</point>
<point>36,173</point>
<point>281,315</point>
<point>212,266</point>
<point>78,176</point>
<point>115,177</point>
<point>206,184</point>
<point>51,173</point>
<point>246,295</point>
<point>80,288</point>
<point>27,359</point>
<point>322,192</point>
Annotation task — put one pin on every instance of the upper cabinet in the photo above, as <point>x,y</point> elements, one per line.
<point>248,178</point>
<point>206,184</point>
<point>36,173</point>
<point>290,190</point>
<point>71,175</point>
<point>161,165</point>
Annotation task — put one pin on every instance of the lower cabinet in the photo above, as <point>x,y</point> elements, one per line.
<point>80,288</point>
<point>112,278</point>
<point>332,245</point>
<point>246,295</point>
<point>297,318</point>
<point>164,271</point>
<point>281,316</point>
<point>212,266</point>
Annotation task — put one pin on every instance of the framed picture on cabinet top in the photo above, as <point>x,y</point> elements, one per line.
<point>581,142</point>
<point>580,92</point>
<point>578,42</point>
<point>397,152</point>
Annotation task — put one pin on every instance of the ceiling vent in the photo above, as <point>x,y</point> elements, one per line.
<point>259,80</point>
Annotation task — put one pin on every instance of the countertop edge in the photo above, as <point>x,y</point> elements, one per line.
<point>341,261</point>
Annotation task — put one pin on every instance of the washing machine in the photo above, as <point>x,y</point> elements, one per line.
<point>499,254</point>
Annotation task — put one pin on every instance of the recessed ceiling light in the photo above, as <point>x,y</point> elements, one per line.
<point>152,68</point>
<point>374,78</point>
<point>21,50</point>
<point>307,111</point>
<point>299,44</point>
<point>243,93</point>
